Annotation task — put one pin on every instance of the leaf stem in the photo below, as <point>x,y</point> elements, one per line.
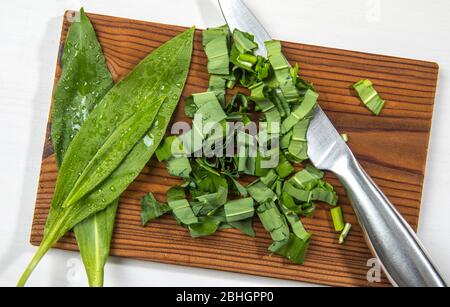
<point>34,262</point>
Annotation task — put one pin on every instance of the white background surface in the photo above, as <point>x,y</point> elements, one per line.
<point>29,32</point>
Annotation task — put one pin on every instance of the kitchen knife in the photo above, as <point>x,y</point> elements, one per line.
<point>390,238</point>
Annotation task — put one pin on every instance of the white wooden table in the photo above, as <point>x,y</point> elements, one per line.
<point>29,32</point>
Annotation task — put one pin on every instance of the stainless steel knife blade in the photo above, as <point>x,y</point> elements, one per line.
<point>238,16</point>
<point>391,239</point>
<point>322,136</point>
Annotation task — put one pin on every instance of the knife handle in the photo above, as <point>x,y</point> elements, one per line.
<point>391,239</point>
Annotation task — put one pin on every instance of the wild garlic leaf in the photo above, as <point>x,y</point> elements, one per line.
<point>154,76</point>
<point>84,81</point>
<point>93,236</point>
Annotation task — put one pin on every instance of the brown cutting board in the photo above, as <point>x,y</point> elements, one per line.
<point>391,147</point>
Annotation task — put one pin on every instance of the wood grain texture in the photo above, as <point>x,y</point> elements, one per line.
<point>391,147</point>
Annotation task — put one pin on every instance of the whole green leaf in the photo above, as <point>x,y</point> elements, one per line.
<point>110,154</point>
<point>84,81</point>
<point>161,74</point>
<point>94,239</point>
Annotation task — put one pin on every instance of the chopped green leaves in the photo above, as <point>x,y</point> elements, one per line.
<point>282,71</point>
<point>283,103</point>
<point>130,98</point>
<point>369,96</point>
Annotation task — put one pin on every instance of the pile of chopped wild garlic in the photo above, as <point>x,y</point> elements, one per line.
<point>224,145</point>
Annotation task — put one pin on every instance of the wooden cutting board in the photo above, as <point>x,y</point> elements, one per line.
<point>391,147</point>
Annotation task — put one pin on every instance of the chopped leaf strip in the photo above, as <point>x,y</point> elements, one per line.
<point>284,168</point>
<point>298,194</point>
<point>175,193</point>
<point>171,146</point>
<point>345,233</point>
<point>243,42</point>
<point>216,48</point>
<point>295,249</point>
<point>261,193</point>
<point>205,226</point>
<point>286,140</point>
<point>296,225</point>
<point>282,71</point>
<point>344,137</point>
<point>369,96</point>
<point>303,110</point>
<point>183,211</point>
<point>212,201</point>
<point>245,226</point>
<point>217,85</point>
<point>338,218</point>
<point>308,209</point>
<point>273,222</point>
<point>289,203</point>
<point>272,117</point>
<point>298,148</point>
<point>209,108</point>
<point>179,166</point>
<point>152,209</point>
<point>307,178</point>
<point>270,178</point>
<point>325,193</point>
<point>239,187</point>
<point>240,209</point>
<point>246,156</point>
